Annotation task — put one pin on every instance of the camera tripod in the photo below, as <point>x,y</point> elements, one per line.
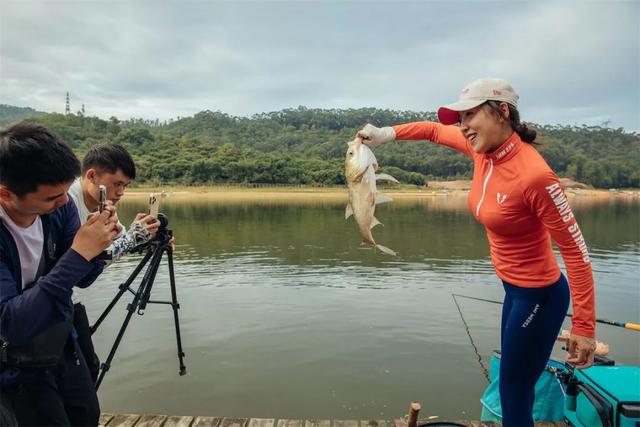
<point>141,297</point>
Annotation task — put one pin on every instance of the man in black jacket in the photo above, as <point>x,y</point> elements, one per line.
<point>44,253</point>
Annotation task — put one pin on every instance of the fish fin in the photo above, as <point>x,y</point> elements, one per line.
<point>386,177</point>
<point>386,250</point>
<point>374,222</point>
<point>348,211</point>
<point>383,198</point>
<point>375,166</point>
<point>366,241</point>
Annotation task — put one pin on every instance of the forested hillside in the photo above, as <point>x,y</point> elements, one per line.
<point>9,113</point>
<point>307,146</point>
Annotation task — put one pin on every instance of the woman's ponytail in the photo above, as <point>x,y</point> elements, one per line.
<point>526,134</point>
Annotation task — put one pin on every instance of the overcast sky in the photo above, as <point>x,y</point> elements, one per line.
<point>571,62</point>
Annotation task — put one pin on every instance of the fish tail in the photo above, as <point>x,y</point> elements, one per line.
<point>386,250</point>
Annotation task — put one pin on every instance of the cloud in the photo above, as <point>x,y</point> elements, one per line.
<point>571,62</point>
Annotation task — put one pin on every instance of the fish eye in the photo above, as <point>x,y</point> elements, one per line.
<point>351,153</point>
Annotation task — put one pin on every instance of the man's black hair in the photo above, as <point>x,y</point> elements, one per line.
<point>109,158</point>
<point>32,155</point>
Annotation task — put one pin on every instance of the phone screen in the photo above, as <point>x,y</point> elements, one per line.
<point>154,204</point>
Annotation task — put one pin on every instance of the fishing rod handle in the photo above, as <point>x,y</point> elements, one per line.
<point>627,325</point>
<point>632,326</point>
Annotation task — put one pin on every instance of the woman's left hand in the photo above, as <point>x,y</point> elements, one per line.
<point>581,350</point>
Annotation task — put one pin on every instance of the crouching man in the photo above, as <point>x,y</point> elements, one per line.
<point>44,253</point>
<point>112,166</point>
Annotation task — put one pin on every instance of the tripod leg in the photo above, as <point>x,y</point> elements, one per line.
<point>150,277</point>
<point>131,308</point>
<point>175,306</point>
<point>145,283</point>
<point>123,288</point>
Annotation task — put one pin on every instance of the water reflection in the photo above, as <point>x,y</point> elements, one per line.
<point>440,226</point>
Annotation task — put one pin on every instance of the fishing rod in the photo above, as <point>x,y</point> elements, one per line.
<point>625,325</point>
<point>485,371</point>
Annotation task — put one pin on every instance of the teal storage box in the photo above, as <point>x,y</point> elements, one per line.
<point>604,396</point>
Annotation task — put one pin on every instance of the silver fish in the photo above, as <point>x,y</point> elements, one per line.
<point>360,172</point>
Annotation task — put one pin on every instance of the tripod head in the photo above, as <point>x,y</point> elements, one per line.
<point>164,234</point>
<point>162,238</point>
<point>164,221</point>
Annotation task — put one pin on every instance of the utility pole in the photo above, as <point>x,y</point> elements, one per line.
<point>67,109</point>
<point>82,109</point>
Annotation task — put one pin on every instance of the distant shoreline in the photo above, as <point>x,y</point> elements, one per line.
<point>435,189</point>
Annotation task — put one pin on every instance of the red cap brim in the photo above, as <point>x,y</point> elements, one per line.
<point>448,117</point>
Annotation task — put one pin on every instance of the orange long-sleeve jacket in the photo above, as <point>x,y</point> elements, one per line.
<point>522,205</point>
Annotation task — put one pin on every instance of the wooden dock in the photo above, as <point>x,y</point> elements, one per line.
<point>131,420</point>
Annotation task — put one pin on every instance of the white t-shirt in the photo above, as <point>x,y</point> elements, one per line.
<point>30,244</point>
<point>75,192</point>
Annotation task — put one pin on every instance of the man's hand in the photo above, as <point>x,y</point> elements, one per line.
<point>581,350</point>
<point>95,235</point>
<point>114,213</point>
<point>373,136</point>
<point>149,222</point>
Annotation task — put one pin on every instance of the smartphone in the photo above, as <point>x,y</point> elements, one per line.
<point>102,198</point>
<point>154,204</point>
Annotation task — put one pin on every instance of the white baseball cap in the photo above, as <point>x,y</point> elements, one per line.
<point>475,93</point>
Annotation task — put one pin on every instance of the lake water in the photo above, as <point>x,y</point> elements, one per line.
<point>285,315</point>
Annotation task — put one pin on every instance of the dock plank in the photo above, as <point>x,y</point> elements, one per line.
<point>234,422</point>
<point>177,421</point>
<point>151,420</point>
<point>105,417</point>
<point>206,422</point>
<point>133,420</point>
<point>124,420</point>
<point>262,422</point>
<point>290,423</point>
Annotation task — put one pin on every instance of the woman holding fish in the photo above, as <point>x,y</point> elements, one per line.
<point>519,200</point>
